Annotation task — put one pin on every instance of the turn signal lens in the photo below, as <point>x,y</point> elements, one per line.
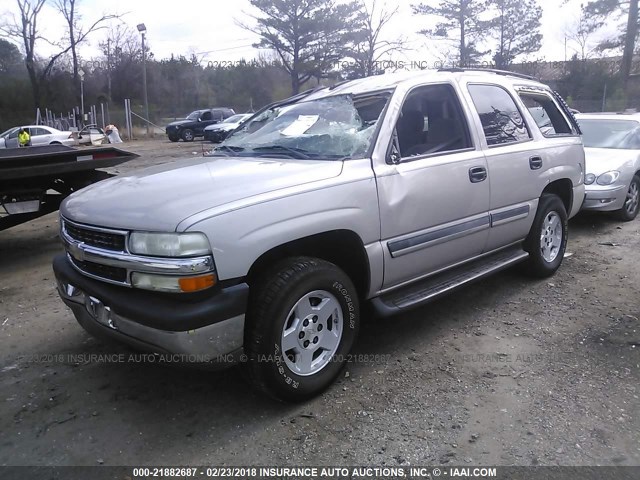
<point>195,284</point>
<point>168,283</point>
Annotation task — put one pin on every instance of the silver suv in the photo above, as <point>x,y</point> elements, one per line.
<point>390,190</point>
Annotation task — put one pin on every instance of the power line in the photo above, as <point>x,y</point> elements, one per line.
<point>225,49</point>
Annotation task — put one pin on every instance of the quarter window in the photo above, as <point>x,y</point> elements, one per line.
<point>499,115</point>
<point>546,114</point>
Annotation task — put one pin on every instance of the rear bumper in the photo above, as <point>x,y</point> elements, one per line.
<point>209,330</point>
<point>604,199</point>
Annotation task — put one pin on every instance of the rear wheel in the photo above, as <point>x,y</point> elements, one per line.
<point>301,324</point>
<point>547,238</point>
<point>187,135</point>
<point>629,210</point>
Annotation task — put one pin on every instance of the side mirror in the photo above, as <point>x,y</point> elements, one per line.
<point>199,119</point>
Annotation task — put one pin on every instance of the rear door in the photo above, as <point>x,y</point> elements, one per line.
<point>515,162</point>
<point>40,136</point>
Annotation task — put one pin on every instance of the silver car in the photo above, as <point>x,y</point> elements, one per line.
<point>612,157</point>
<point>40,135</point>
<point>390,190</point>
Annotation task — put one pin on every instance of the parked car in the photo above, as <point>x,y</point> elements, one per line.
<point>91,135</point>
<point>193,126</point>
<point>40,135</point>
<point>391,190</point>
<point>218,132</point>
<point>612,149</point>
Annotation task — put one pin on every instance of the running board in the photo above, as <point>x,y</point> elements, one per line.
<point>424,291</point>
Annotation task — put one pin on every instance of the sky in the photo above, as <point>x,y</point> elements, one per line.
<point>210,28</point>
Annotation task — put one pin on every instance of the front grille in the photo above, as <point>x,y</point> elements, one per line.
<point>115,274</point>
<point>95,238</point>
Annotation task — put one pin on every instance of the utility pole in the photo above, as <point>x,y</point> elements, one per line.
<point>109,67</point>
<point>143,30</point>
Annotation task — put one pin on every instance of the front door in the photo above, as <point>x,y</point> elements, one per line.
<point>433,187</point>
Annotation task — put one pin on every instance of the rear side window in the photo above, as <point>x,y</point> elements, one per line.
<point>501,120</point>
<point>546,114</point>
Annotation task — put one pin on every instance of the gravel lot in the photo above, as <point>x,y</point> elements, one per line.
<point>507,372</point>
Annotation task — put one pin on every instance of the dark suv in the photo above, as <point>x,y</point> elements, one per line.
<point>193,126</point>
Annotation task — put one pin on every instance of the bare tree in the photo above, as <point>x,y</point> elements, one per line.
<point>77,34</point>
<point>25,30</point>
<point>579,33</point>
<point>370,47</point>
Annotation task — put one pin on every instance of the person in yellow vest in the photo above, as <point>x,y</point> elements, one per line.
<point>24,139</point>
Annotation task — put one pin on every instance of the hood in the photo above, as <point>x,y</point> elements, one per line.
<point>601,160</point>
<point>222,126</point>
<point>159,198</point>
<point>179,122</point>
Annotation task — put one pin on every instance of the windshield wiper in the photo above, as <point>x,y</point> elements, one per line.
<point>294,152</point>
<point>222,150</point>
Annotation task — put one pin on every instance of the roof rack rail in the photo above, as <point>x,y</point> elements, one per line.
<point>492,70</point>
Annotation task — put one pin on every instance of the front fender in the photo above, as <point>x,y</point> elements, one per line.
<point>241,235</point>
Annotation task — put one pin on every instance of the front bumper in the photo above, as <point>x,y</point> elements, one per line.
<point>604,198</point>
<point>209,330</point>
<point>215,135</point>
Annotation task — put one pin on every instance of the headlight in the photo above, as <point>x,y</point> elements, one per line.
<point>589,178</point>
<point>608,178</point>
<point>169,244</point>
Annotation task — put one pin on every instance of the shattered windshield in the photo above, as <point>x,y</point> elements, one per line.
<point>337,127</point>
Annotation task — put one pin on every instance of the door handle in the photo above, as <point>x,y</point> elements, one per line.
<point>477,174</point>
<point>535,162</point>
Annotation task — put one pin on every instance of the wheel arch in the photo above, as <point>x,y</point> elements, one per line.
<point>563,188</point>
<point>343,248</point>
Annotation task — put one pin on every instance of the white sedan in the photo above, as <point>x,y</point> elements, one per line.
<point>612,170</point>
<point>219,131</point>
<point>40,135</point>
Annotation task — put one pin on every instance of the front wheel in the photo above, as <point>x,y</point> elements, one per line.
<point>629,210</point>
<point>301,324</point>
<point>188,135</point>
<point>547,238</point>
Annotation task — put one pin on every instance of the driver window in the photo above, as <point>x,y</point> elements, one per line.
<point>431,121</point>
<point>206,116</point>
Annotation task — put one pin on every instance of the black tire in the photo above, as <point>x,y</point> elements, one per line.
<point>188,135</point>
<point>173,138</point>
<point>629,210</point>
<point>55,143</point>
<point>537,265</point>
<point>271,308</point>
